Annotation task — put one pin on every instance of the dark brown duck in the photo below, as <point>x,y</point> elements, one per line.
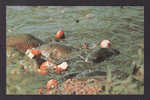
<point>105,51</point>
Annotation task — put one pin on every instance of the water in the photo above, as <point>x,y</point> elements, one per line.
<point>86,24</point>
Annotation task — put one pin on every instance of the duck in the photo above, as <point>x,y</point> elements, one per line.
<point>104,51</point>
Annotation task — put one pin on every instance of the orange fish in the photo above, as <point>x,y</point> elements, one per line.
<point>45,65</point>
<point>58,69</point>
<point>32,52</point>
<point>59,34</point>
<point>35,51</point>
<point>51,83</point>
<point>62,67</point>
<point>42,72</point>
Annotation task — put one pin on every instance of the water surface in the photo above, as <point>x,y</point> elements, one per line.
<point>86,24</point>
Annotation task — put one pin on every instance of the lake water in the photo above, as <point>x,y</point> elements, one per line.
<point>124,26</point>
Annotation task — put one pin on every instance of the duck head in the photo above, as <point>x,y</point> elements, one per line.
<point>105,44</point>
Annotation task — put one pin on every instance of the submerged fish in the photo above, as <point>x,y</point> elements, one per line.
<point>22,41</point>
<point>56,51</point>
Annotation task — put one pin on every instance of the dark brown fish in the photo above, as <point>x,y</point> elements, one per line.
<point>22,41</point>
<point>56,51</point>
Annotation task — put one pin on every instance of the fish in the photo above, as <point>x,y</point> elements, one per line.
<point>56,51</point>
<point>22,42</point>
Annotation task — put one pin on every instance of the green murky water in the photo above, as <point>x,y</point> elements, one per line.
<point>88,24</point>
